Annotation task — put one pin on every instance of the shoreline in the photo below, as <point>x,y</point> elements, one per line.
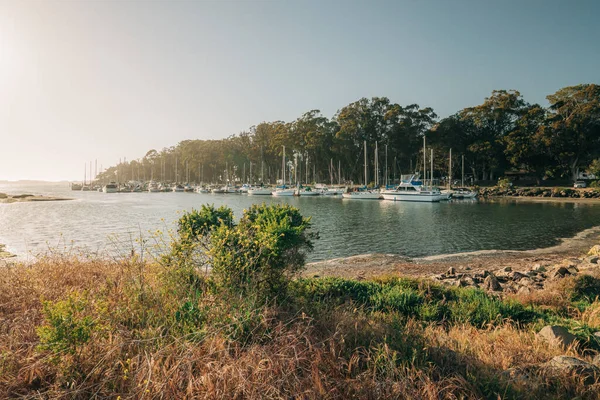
<point>534,199</point>
<point>27,198</point>
<point>370,265</point>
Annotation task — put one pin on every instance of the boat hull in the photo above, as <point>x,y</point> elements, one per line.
<point>308,194</point>
<point>423,198</point>
<point>282,193</point>
<point>362,196</point>
<point>109,190</point>
<point>260,192</point>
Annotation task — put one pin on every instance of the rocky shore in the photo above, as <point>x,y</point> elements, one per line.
<point>22,198</point>
<point>509,280</point>
<point>541,192</point>
<point>4,254</point>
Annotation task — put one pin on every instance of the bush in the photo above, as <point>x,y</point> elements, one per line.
<point>198,223</point>
<point>263,252</point>
<point>504,183</point>
<point>67,328</point>
<point>586,287</point>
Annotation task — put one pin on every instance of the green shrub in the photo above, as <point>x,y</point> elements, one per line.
<point>262,252</point>
<point>504,183</point>
<point>67,327</point>
<point>395,298</point>
<point>197,223</point>
<point>586,287</point>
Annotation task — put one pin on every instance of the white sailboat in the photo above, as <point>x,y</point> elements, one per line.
<point>260,190</point>
<point>412,189</point>
<point>111,187</point>
<point>154,187</point>
<point>283,190</point>
<point>364,194</point>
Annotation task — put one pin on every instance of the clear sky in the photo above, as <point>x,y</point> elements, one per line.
<point>88,80</point>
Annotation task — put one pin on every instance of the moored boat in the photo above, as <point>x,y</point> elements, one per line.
<point>260,191</point>
<point>413,190</point>
<point>111,187</point>
<point>363,195</point>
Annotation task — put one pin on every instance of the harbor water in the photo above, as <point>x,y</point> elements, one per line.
<point>100,222</point>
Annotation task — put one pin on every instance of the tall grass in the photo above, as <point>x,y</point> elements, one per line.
<point>97,328</point>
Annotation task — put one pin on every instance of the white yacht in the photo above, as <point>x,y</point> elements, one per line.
<point>260,191</point>
<point>244,188</point>
<point>363,195</point>
<point>413,190</point>
<point>307,191</point>
<point>283,191</point>
<point>111,187</point>
<point>202,189</point>
<point>178,188</point>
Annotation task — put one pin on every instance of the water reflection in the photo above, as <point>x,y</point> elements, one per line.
<point>346,227</point>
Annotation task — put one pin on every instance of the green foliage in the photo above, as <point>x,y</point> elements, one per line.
<point>410,298</point>
<point>197,223</point>
<point>261,253</point>
<point>586,287</point>
<point>67,326</point>
<point>594,167</point>
<point>504,183</point>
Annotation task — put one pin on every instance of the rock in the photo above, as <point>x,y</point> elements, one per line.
<point>597,335</point>
<point>573,366</point>
<point>526,281</point>
<point>467,268</point>
<point>557,335</point>
<point>507,269</point>
<point>594,251</point>
<point>592,259</point>
<point>596,359</point>
<point>560,273</point>
<point>573,270</point>
<point>459,283</point>
<point>491,283</point>
<point>451,271</point>
<point>516,276</point>
<point>524,290</point>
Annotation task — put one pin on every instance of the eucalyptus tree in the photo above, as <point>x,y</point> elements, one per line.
<point>572,129</point>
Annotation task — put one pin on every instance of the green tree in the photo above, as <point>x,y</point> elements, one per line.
<point>572,130</point>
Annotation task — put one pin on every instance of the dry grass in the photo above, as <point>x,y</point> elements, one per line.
<point>138,349</point>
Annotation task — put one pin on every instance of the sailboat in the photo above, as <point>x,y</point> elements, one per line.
<point>412,189</point>
<point>363,194</point>
<point>260,190</point>
<point>283,190</point>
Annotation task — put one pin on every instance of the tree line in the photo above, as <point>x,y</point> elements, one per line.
<point>503,134</point>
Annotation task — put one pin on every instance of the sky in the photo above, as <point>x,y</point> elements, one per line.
<point>102,80</point>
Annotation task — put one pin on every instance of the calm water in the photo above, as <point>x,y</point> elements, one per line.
<point>109,222</point>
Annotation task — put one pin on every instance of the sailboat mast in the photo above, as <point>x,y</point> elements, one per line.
<point>340,172</point>
<point>386,167</point>
<point>283,167</point>
<point>462,183</point>
<point>431,167</point>
<point>365,144</point>
<point>331,171</point>
<point>306,172</point>
<point>424,161</point>
<point>376,167</point>
<point>450,171</point>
